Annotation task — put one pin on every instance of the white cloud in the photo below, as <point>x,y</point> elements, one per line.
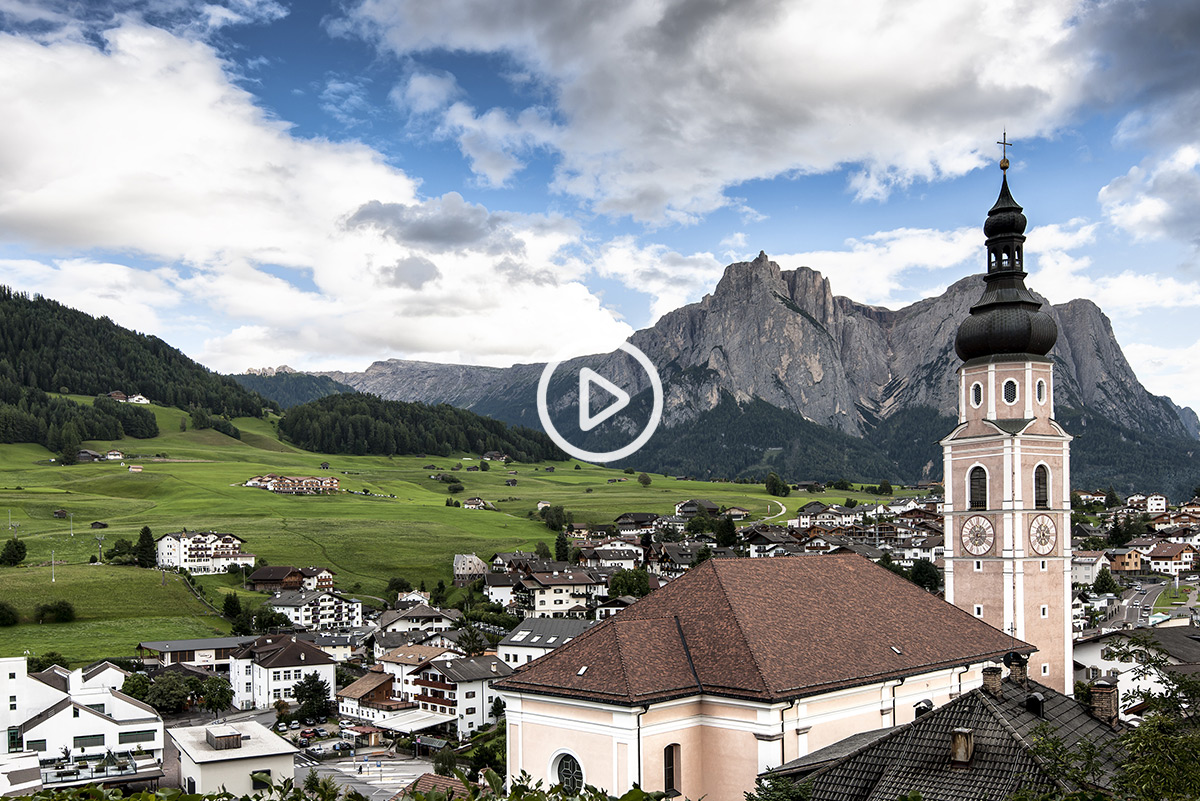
<point>1168,371</point>
<point>425,92</point>
<point>671,279</point>
<point>144,300</point>
<point>147,147</point>
<point>1159,198</point>
<point>660,107</point>
<point>872,268</point>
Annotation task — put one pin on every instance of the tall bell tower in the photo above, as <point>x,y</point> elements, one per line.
<point>1007,462</point>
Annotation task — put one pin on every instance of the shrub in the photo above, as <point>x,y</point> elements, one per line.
<point>8,615</point>
<point>54,612</point>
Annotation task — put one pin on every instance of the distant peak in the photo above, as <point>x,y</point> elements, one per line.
<point>762,256</point>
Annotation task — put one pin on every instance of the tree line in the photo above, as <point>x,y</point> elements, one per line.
<point>365,424</point>
<point>55,348</point>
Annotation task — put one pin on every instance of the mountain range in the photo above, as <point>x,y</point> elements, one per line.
<point>773,371</point>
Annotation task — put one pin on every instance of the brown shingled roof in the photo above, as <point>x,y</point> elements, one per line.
<point>765,629</point>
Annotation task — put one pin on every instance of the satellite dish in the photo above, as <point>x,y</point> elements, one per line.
<point>1013,658</point>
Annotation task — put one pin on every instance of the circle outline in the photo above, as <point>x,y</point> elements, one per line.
<point>967,544</point>
<point>603,456</point>
<point>1051,542</point>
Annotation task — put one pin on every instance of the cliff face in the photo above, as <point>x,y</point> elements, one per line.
<point>784,338</point>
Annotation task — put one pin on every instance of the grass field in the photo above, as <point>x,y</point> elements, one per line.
<point>192,479</point>
<point>115,606</point>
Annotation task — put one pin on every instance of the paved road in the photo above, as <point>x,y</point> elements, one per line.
<point>381,777</point>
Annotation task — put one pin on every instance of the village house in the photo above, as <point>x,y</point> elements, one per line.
<point>460,689</point>
<point>537,636</point>
<point>636,522</point>
<point>318,610</point>
<point>979,745</point>
<point>662,695</point>
<point>695,506</point>
<point>79,712</point>
<point>498,588</point>
<point>1085,566</point>
<point>265,670</point>
<point>202,552</point>
<point>1171,558</point>
<point>370,698</point>
<point>1124,560</point>
<point>210,653</point>
<point>468,568</point>
<point>559,593</point>
<point>227,757</point>
<point>422,618</point>
<point>295,485</point>
<point>1095,657</point>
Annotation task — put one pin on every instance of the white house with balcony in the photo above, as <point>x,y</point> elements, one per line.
<point>319,610</point>
<point>268,669</point>
<point>69,728</point>
<point>202,552</point>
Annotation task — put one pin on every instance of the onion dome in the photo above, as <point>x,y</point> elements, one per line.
<point>1007,321</point>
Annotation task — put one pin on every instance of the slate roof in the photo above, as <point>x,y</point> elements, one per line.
<point>546,632</point>
<point>473,668</point>
<point>281,651</point>
<point>199,644</point>
<point>365,685</point>
<point>746,628</point>
<point>917,756</point>
<point>412,654</point>
<point>272,573</point>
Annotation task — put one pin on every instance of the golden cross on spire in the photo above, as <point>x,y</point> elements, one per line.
<point>1004,141</point>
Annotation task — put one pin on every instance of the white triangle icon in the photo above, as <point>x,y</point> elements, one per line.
<point>588,421</point>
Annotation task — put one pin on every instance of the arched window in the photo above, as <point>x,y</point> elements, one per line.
<point>1041,487</point>
<point>570,774</point>
<point>671,767</point>
<point>978,482</point>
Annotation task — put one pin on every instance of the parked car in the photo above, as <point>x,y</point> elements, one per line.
<point>322,731</point>
<point>281,726</point>
<point>295,724</point>
<point>309,733</point>
<point>304,742</point>
<point>309,721</point>
<point>341,746</point>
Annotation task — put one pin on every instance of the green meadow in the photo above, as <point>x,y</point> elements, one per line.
<point>192,479</point>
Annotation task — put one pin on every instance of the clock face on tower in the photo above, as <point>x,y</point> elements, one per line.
<point>1042,534</point>
<point>978,535</point>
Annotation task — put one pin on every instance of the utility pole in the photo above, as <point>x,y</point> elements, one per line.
<point>52,567</point>
<point>100,547</point>
<point>72,516</point>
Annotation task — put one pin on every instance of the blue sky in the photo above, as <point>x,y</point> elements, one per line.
<point>325,184</point>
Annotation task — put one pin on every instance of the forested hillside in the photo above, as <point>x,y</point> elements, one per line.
<point>364,424</point>
<point>291,389</point>
<point>54,348</point>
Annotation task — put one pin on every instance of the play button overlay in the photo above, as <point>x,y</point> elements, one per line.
<point>590,381</point>
<point>587,420</point>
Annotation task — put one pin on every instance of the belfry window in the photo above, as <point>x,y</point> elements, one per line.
<point>1041,487</point>
<point>1010,391</point>
<point>978,488</point>
<point>1041,391</point>
<point>976,394</point>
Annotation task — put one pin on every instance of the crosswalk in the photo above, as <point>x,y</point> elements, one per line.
<point>382,772</point>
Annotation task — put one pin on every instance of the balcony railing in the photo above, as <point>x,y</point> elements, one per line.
<point>436,685</point>
<point>126,767</point>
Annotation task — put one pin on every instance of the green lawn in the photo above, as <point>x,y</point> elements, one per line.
<point>192,479</point>
<point>1169,599</point>
<point>115,606</point>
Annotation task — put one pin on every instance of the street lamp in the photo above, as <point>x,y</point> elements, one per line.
<point>72,516</point>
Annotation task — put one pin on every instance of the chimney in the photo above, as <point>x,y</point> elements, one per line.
<point>991,681</point>
<point>1018,668</point>
<point>1104,701</point>
<point>922,707</point>
<point>962,747</point>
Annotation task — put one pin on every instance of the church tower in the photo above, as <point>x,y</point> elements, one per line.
<point>1007,462</point>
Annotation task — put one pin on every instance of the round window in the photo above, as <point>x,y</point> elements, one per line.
<point>570,774</point>
<point>976,394</point>
<point>1010,391</point>
<point>1041,391</point>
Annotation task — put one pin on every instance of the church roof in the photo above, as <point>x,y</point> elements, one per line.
<point>917,756</point>
<point>765,629</point>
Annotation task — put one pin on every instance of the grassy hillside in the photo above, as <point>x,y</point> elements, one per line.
<point>116,608</point>
<point>192,479</point>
